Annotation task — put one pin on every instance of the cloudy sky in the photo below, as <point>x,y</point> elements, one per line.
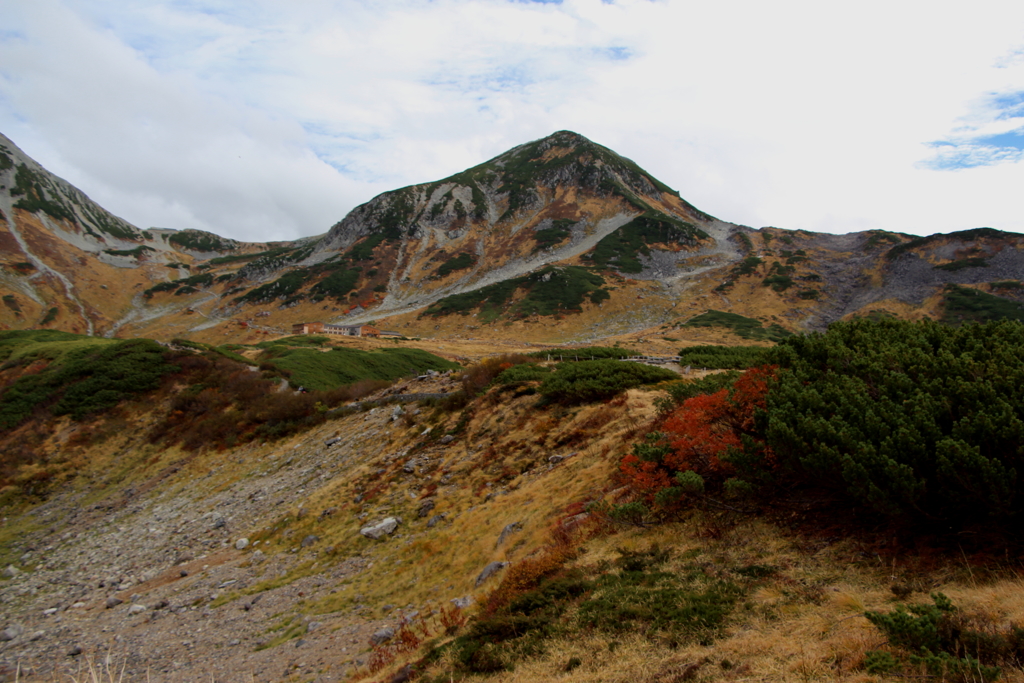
<point>265,119</point>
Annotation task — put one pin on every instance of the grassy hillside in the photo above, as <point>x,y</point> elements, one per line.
<point>329,368</point>
<point>649,534</point>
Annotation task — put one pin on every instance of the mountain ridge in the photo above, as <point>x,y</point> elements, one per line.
<point>561,206</point>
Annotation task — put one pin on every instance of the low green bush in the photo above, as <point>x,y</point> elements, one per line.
<point>85,380</point>
<point>460,262</point>
<point>722,357</point>
<point>748,328</point>
<point>597,380</point>
<point>912,420</point>
<point>963,304</point>
<point>549,291</point>
<point>954,266</point>
<point>944,642</point>
<point>341,366</point>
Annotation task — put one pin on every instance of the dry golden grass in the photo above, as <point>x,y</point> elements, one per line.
<point>804,623</point>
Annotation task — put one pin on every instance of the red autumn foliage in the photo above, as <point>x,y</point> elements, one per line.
<point>698,435</point>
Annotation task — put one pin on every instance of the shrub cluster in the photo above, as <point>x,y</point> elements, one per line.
<point>745,327</point>
<point>596,380</point>
<point>226,403</point>
<point>549,291</point>
<point>722,357</point>
<point>915,422</point>
<point>944,642</point>
<point>85,380</point>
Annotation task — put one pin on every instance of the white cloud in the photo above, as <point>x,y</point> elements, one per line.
<point>261,120</point>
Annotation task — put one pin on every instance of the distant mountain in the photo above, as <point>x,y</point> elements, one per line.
<point>559,239</point>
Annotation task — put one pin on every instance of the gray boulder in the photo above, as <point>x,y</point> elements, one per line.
<point>381,529</point>
<point>382,636</point>
<point>425,507</point>
<point>489,571</point>
<point>12,632</point>
<point>508,531</point>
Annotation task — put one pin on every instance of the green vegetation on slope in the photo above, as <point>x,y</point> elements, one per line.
<point>954,266</point>
<point>83,375</point>
<point>748,328</point>
<point>549,291</point>
<point>240,258</point>
<point>915,419</point>
<point>778,277</point>
<point>188,283</point>
<point>338,284</point>
<point>198,240</point>
<point>460,262</point>
<point>622,248</point>
<point>962,236</point>
<point>315,369</point>
<point>283,287</point>
<point>963,304</point>
<point>29,186</point>
<point>596,380</point>
<point>131,253</point>
<point>722,357</point>
<point>640,592</point>
<point>556,234</point>
<point>917,423</point>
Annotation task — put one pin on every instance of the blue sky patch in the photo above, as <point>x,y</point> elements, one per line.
<point>983,149</point>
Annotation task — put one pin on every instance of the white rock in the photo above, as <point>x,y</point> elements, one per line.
<point>136,609</point>
<point>242,544</point>
<point>380,530</point>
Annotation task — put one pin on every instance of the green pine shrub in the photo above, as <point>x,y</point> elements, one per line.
<point>912,420</point>
<point>597,380</point>
<point>722,357</point>
<point>944,642</point>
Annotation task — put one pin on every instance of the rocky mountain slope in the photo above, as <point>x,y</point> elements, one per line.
<point>557,240</point>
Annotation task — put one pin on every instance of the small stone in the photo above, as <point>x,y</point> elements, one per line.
<point>433,521</point>
<point>257,557</point>
<point>463,603</point>
<point>508,531</point>
<point>312,626</point>
<point>113,601</point>
<point>489,571</point>
<point>235,643</point>
<point>309,541</point>
<point>183,573</point>
<point>10,571</point>
<point>37,635</point>
<point>49,612</point>
<point>12,632</point>
<point>382,636</point>
<point>331,442</point>
<point>379,531</point>
<point>555,459</point>
<point>75,651</point>
<point>220,523</point>
<point>447,439</point>
<point>242,544</point>
<point>425,507</point>
<point>136,609</point>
